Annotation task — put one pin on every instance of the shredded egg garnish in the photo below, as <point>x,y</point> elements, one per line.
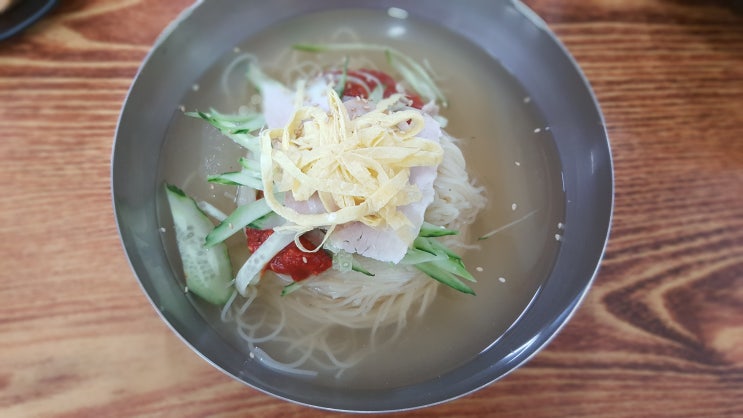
<point>358,168</point>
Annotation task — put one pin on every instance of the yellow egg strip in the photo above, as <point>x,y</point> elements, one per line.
<point>359,168</point>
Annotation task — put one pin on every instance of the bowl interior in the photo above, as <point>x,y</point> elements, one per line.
<point>504,32</point>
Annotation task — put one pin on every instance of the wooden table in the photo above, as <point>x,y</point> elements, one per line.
<point>660,333</point>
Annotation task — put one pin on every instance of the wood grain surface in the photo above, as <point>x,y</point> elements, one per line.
<point>660,333</point>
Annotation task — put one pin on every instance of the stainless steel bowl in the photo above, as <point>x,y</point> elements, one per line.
<point>507,31</point>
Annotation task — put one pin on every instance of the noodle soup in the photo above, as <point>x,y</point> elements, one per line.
<point>509,153</point>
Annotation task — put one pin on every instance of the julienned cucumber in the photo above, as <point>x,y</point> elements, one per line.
<point>439,262</point>
<point>208,270</point>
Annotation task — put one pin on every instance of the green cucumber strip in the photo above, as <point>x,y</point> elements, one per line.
<point>424,244</point>
<point>455,267</point>
<point>291,288</point>
<point>440,248</point>
<point>239,135</point>
<point>444,277</point>
<point>422,75</point>
<point>231,123</point>
<point>250,165</point>
<point>438,261</point>
<point>251,120</point>
<point>236,221</point>
<point>355,266</point>
<point>208,271</point>
<point>250,272</point>
<point>416,256</point>
<point>377,94</point>
<point>311,47</point>
<point>211,210</point>
<point>415,75</point>
<point>268,221</point>
<point>342,82</point>
<point>431,230</point>
<point>237,178</point>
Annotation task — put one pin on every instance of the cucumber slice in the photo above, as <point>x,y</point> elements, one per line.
<point>237,220</point>
<point>208,271</point>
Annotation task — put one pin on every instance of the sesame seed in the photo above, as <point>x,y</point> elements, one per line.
<point>546,128</point>
<point>514,206</point>
<point>304,260</point>
<point>527,99</point>
<point>182,108</point>
<point>560,225</point>
<point>538,130</point>
<point>229,225</point>
<point>397,13</point>
<point>518,164</point>
<point>480,269</point>
<point>185,289</point>
<point>195,87</point>
<point>162,229</point>
<point>558,237</point>
<point>502,279</point>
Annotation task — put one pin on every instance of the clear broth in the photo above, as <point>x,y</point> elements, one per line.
<point>509,150</point>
